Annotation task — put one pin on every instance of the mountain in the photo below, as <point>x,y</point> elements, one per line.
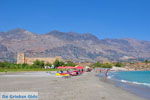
<point>70,45</point>
<point>72,36</point>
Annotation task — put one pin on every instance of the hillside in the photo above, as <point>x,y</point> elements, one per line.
<point>70,45</point>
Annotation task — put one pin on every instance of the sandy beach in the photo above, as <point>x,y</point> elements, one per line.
<point>84,87</point>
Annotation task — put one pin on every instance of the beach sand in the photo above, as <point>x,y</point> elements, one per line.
<point>84,87</point>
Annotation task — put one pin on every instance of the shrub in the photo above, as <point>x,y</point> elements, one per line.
<point>48,64</point>
<point>146,61</point>
<point>70,63</point>
<point>97,64</point>
<point>105,65</point>
<point>58,63</point>
<point>6,65</point>
<point>118,64</point>
<point>38,64</point>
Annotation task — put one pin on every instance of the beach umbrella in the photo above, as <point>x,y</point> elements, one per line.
<point>79,67</point>
<point>65,67</point>
<point>60,67</point>
<point>70,67</point>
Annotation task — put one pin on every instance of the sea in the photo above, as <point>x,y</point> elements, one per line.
<point>136,82</point>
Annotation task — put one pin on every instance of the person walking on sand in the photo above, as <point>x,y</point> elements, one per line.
<point>106,74</point>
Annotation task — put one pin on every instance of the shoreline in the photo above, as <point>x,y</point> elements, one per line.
<point>137,88</point>
<point>84,87</point>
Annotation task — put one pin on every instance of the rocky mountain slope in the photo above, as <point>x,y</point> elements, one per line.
<point>70,45</point>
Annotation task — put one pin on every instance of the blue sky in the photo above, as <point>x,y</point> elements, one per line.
<point>103,18</point>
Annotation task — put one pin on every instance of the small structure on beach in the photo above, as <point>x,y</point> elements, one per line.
<point>21,59</point>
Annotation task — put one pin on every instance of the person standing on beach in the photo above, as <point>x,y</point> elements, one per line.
<point>106,74</point>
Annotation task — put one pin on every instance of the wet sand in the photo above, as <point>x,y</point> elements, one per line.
<point>50,87</point>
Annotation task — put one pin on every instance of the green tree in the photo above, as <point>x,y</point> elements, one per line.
<point>48,64</point>
<point>38,64</point>
<point>2,65</point>
<point>70,63</point>
<point>6,65</point>
<point>146,61</point>
<point>118,64</point>
<point>107,65</point>
<point>58,63</point>
<point>97,64</point>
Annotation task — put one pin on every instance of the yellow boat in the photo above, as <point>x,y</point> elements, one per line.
<point>62,74</point>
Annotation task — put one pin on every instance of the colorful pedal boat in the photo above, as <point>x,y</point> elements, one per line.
<point>62,74</point>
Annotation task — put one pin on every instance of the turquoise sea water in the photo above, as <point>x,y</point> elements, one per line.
<point>135,77</point>
<point>137,82</point>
